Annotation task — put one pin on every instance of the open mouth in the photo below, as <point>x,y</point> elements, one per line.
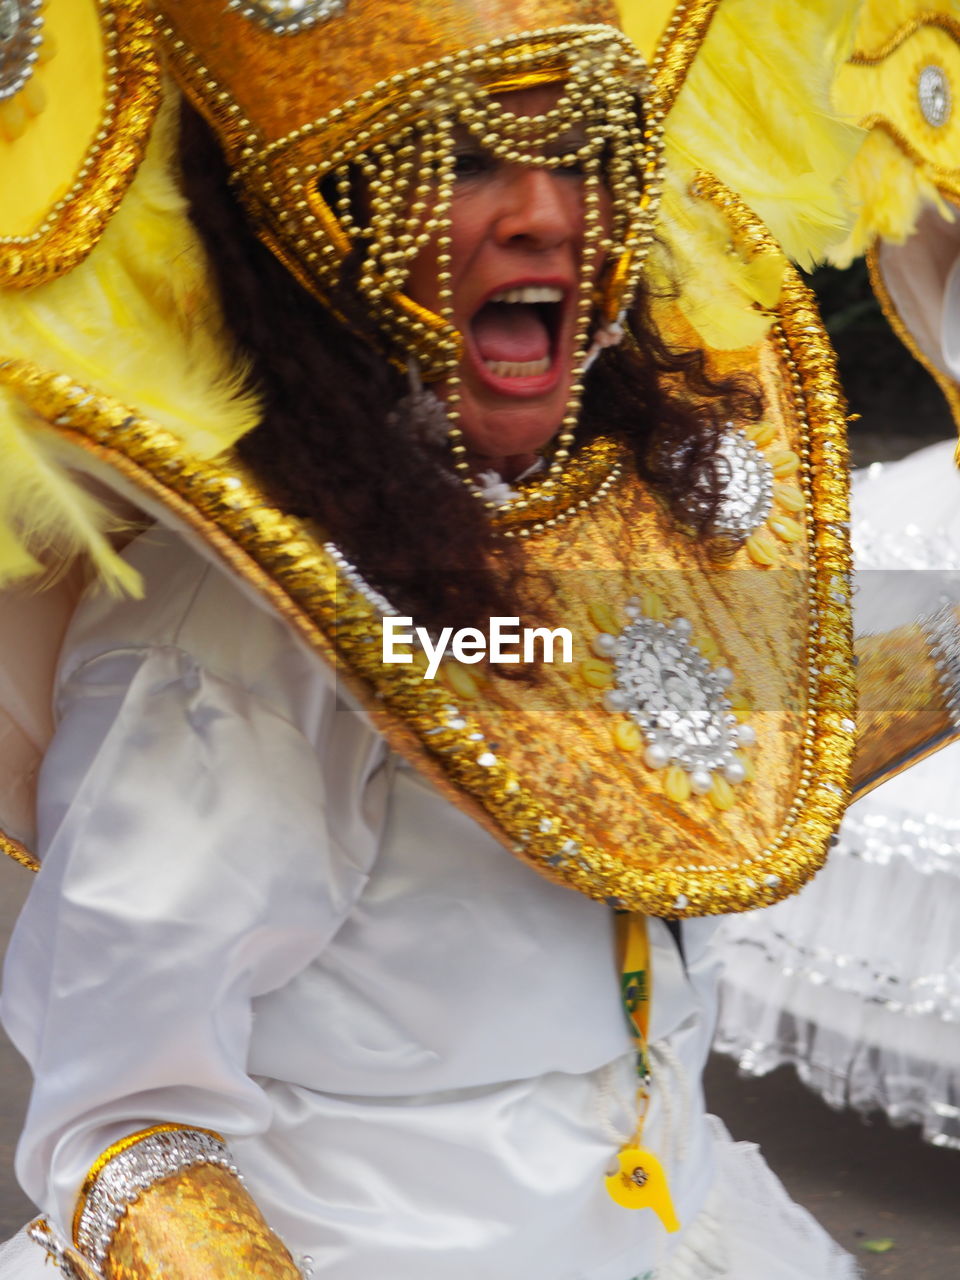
<point>516,332</point>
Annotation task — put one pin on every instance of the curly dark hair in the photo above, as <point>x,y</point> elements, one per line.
<point>329,449</point>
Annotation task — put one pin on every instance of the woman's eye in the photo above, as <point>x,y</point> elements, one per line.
<point>470,163</point>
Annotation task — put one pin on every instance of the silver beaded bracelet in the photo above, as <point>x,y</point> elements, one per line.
<point>942,632</point>
<point>128,1174</point>
<point>66,1260</point>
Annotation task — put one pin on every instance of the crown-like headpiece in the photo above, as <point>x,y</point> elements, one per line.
<point>318,101</point>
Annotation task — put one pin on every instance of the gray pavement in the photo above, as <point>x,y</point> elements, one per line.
<point>14,1077</point>
<point>864,1182</point>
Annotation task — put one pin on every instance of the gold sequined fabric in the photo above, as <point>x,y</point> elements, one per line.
<point>197,1225</point>
<point>277,85</point>
<point>902,716</point>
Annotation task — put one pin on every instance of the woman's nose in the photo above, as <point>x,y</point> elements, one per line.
<point>540,208</point>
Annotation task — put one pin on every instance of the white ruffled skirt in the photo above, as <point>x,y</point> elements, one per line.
<point>750,1229</point>
<point>856,981</point>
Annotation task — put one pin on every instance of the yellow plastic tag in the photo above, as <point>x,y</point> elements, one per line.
<point>640,1183</point>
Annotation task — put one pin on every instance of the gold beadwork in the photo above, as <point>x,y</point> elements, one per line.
<point>18,852</point>
<point>460,680</point>
<point>721,794</point>
<point>761,433</point>
<point>399,134</point>
<point>784,463</point>
<point>297,156</point>
<point>762,549</point>
<point>626,736</point>
<point>789,497</point>
<point>603,617</point>
<point>596,673</point>
<point>785,529</point>
<point>677,48</point>
<point>929,18</point>
<point>676,785</point>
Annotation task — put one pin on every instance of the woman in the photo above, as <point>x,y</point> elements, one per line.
<point>280,927</point>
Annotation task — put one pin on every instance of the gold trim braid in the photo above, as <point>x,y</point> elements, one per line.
<point>926,18</point>
<point>677,49</point>
<point>167,1201</point>
<point>117,1149</point>
<point>18,852</point>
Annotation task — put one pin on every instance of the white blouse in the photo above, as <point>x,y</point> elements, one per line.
<point>252,917</point>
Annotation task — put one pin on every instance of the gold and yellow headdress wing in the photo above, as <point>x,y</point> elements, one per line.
<point>79,90</point>
<point>747,89</point>
<point>902,83</point>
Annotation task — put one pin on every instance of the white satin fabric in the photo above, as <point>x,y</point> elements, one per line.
<point>252,918</point>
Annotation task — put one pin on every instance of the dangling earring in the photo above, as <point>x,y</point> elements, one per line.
<point>421,411</point>
<point>607,335</point>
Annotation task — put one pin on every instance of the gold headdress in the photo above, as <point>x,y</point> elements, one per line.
<point>902,83</point>
<point>341,129</point>
<point>376,90</point>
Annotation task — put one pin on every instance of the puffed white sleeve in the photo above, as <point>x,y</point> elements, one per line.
<point>187,868</point>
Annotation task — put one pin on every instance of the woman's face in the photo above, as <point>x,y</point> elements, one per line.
<point>516,245</point>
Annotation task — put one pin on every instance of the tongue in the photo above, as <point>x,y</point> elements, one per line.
<point>510,331</point>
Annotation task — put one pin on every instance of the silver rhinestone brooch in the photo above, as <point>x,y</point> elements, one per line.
<point>746,488</point>
<point>664,684</point>
<point>287,17</point>
<point>934,96</point>
<point>21,25</point>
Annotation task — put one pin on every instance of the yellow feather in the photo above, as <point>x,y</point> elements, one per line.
<point>755,110</point>
<point>896,173</point>
<point>139,321</point>
<point>47,517</point>
<point>889,192</point>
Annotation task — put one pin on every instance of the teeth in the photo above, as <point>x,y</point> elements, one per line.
<point>518,368</point>
<point>529,293</point>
